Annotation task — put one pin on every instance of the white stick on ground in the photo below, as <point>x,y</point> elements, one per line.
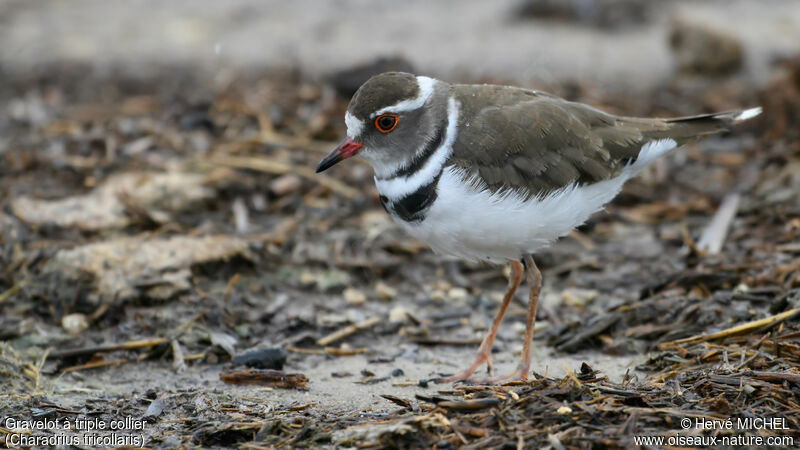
<point>713,236</point>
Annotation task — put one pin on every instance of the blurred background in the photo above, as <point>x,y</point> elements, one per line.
<point>621,43</point>
<point>161,224</point>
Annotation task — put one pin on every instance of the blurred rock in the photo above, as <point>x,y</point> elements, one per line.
<point>578,297</point>
<point>384,291</point>
<point>142,265</point>
<point>75,324</point>
<point>398,314</point>
<point>457,293</point>
<point>119,201</point>
<point>262,358</point>
<point>604,14</point>
<point>354,297</point>
<point>347,81</point>
<point>701,50</point>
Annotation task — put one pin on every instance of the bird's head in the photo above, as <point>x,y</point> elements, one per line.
<point>389,119</point>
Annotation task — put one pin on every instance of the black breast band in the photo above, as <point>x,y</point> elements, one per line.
<point>411,208</point>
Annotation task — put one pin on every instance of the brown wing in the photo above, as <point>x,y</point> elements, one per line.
<point>535,143</point>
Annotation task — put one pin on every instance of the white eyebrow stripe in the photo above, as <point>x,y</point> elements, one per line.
<point>425,84</point>
<point>398,187</point>
<point>354,126</point>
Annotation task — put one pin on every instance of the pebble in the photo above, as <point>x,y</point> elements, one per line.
<point>262,358</point>
<point>398,314</point>
<point>384,291</point>
<point>457,293</point>
<point>75,324</point>
<point>578,297</point>
<point>354,297</point>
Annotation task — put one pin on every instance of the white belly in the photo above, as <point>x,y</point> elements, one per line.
<point>479,225</point>
<point>476,224</point>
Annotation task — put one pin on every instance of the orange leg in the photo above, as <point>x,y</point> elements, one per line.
<point>535,281</point>
<point>485,351</point>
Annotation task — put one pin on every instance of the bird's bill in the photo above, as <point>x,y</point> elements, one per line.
<point>346,149</point>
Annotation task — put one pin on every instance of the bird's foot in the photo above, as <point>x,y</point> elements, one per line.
<point>520,374</point>
<point>483,356</point>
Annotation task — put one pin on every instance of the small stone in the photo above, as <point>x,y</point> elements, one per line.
<point>438,295</point>
<point>75,324</point>
<point>496,297</point>
<point>578,297</point>
<point>457,293</point>
<point>307,277</point>
<point>398,314</point>
<point>262,358</point>
<point>564,410</point>
<point>442,285</point>
<point>354,297</point>
<point>384,291</point>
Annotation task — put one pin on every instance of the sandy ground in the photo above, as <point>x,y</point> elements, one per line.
<point>325,392</point>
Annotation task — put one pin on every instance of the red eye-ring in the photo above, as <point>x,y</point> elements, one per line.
<point>386,122</point>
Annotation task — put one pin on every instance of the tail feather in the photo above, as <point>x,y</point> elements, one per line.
<point>728,118</point>
<point>684,129</point>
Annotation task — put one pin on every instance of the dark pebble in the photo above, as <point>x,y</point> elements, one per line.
<point>261,358</point>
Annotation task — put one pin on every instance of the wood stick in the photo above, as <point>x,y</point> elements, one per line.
<point>280,168</point>
<point>774,376</point>
<point>130,345</point>
<point>336,351</point>
<point>95,364</point>
<point>348,330</point>
<point>305,351</point>
<point>738,329</point>
<point>10,292</point>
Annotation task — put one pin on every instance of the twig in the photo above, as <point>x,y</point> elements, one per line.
<point>280,168</point>
<point>305,351</point>
<point>95,364</point>
<point>336,351</point>
<point>739,329</point>
<point>10,292</point>
<point>229,288</point>
<point>39,366</point>
<point>275,139</point>
<point>178,360</point>
<point>462,405</point>
<point>773,376</point>
<point>348,330</point>
<point>130,345</point>
<point>437,341</point>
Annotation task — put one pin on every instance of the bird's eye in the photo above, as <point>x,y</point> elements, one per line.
<point>386,122</point>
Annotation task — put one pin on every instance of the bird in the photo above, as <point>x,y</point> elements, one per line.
<point>496,173</point>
